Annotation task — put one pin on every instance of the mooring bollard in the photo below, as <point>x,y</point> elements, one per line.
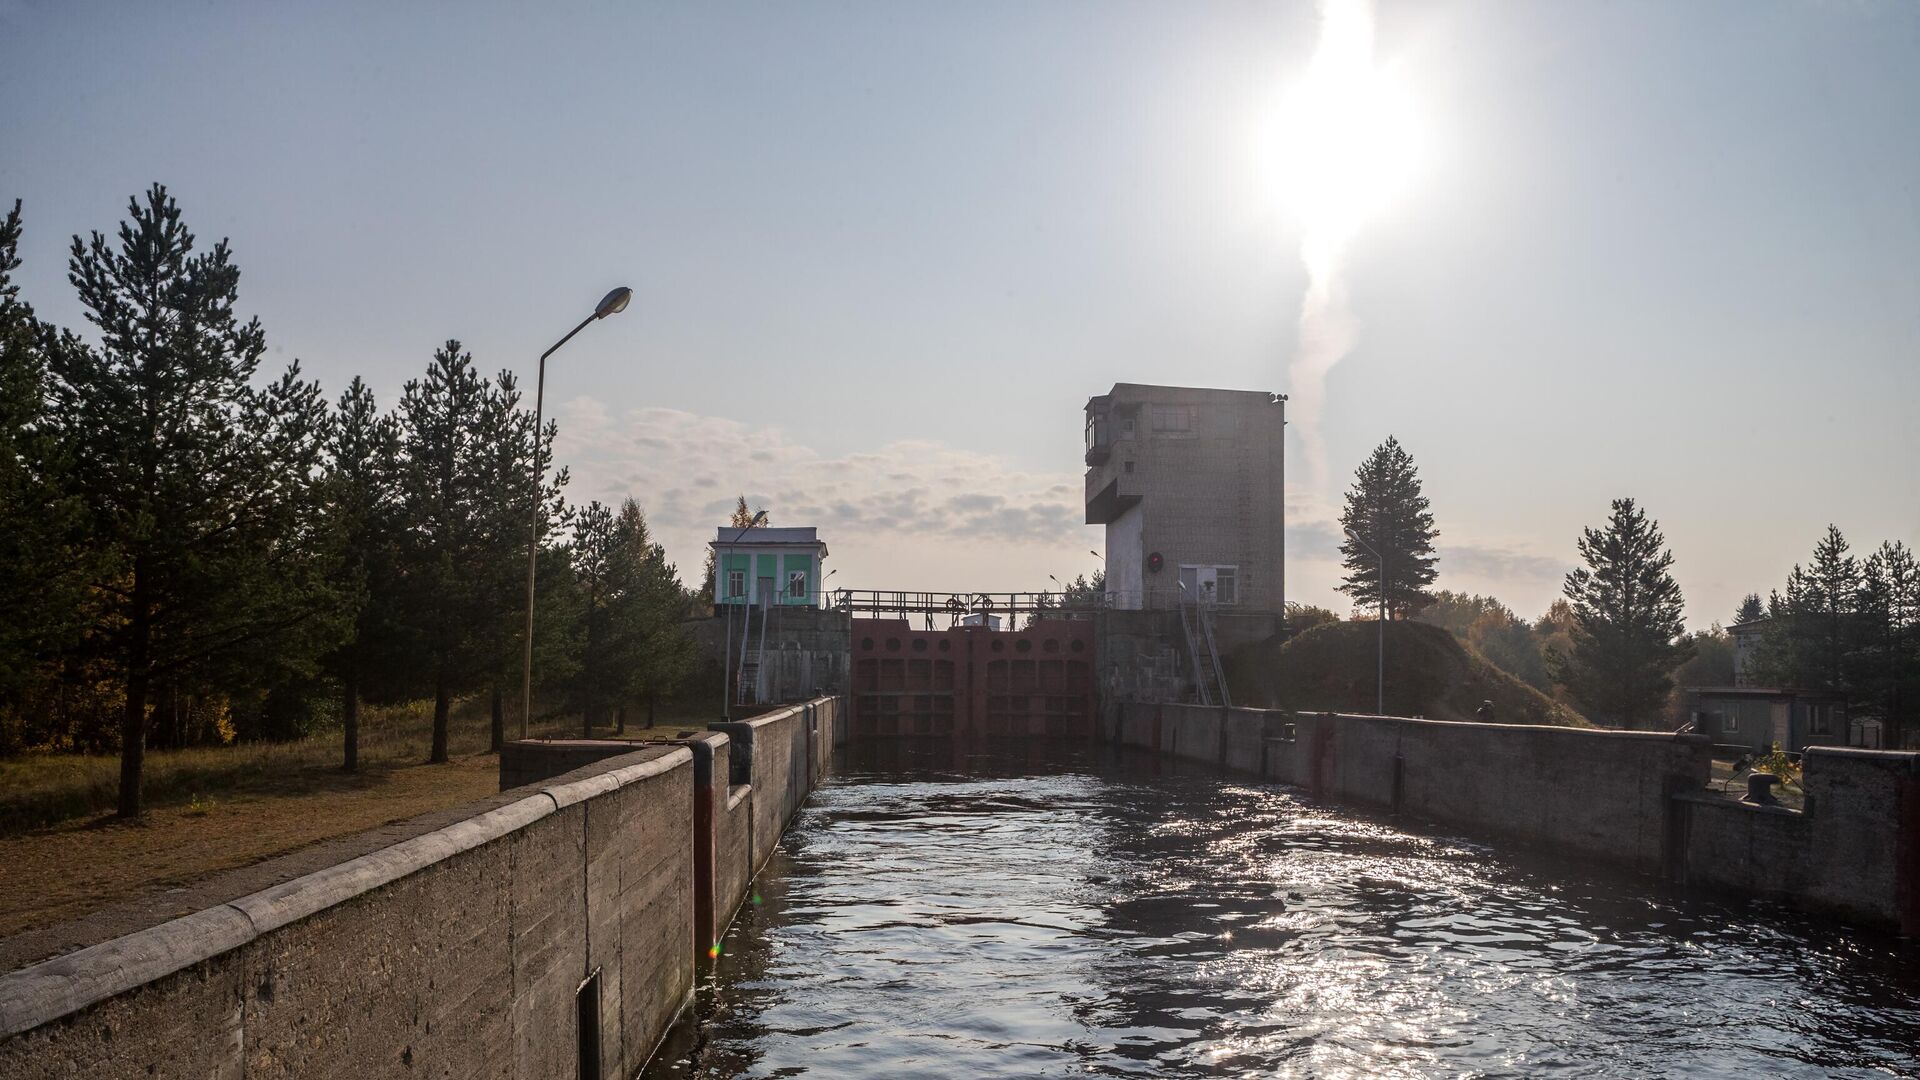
<point>1760,789</point>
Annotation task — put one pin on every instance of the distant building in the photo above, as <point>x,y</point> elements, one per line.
<point>767,567</point>
<point>1759,718</point>
<point>1190,486</point>
<point>1746,644</point>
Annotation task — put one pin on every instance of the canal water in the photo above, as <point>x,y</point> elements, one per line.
<point>1057,911</point>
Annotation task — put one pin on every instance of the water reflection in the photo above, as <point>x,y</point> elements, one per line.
<point>1064,911</point>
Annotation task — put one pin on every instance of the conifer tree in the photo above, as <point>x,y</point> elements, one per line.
<point>1629,633</point>
<point>41,557</point>
<point>439,487</point>
<point>1386,509</point>
<point>1824,601</point>
<point>1751,609</point>
<point>362,461</point>
<point>199,487</point>
<point>663,651</point>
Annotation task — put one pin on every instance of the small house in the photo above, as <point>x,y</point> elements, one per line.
<point>1758,718</point>
<point>767,567</point>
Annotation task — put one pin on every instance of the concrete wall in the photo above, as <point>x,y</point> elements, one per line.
<point>456,953</point>
<point>1850,853</point>
<point>1599,793</point>
<point>1636,799</point>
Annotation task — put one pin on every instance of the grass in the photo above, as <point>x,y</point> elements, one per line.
<point>1430,673</point>
<point>212,809</point>
<point>42,789</point>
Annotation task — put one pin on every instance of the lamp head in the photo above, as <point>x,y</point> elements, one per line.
<point>613,303</point>
<point>757,519</point>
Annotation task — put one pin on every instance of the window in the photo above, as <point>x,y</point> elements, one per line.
<point>1817,718</point>
<point>796,583</point>
<point>1212,584</point>
<point>1172,418</point>
<point>1729,721</point>
<point>736,583</point>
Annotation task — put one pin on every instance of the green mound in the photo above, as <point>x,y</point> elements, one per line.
<point>1430,673</point>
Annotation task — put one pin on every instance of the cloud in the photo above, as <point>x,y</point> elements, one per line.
<point>686,470</point>
<point>1500,563</point>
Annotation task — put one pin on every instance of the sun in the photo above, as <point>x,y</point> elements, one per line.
<point>1350,138</point>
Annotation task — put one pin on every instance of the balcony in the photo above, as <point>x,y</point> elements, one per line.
<point>1106,501</point>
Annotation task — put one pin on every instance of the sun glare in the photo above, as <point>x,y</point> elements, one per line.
<point>1350,139</point>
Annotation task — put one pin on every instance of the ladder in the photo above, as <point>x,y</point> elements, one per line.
<point>747,685</point>
<point>1203,652</point>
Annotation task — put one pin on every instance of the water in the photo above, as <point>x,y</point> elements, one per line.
<point>1072,912</point>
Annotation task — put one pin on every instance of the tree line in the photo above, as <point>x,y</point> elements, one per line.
<point>194,549</point>
<point>1844,624</point>
<point>1611,646</point>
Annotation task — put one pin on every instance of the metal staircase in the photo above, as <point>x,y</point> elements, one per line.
<point>1203,652</point>
<point>747,685</point>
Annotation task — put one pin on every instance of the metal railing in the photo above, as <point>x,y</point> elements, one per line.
<point>961,604</point>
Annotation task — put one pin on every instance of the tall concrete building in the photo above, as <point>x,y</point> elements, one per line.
<point>1190,485</point>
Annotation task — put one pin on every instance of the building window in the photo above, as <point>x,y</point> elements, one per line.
<point>796,583</point>
<point>1174,418</point>
<point>1729,722</point>
<point>736,583</point>
<point>1817,718</point>
<point>1129,466</point>
<point>1212,584</point>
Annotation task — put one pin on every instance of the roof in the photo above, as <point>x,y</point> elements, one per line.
<point>733,536</point>
<point>1175,394</point>
<point>1764,692</point>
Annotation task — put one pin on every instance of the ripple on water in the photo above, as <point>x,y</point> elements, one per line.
<point>1090,915</point>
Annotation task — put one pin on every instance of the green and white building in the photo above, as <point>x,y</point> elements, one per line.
<point>766,566</point>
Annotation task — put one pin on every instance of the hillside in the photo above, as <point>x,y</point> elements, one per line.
<point>1430,673</point>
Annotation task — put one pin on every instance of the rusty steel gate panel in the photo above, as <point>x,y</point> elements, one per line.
<point>971,681</point>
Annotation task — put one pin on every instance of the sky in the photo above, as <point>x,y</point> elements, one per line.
<point>883,252</point>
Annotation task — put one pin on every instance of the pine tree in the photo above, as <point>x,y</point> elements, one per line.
<point>505,433</point>
<point>1751,610</point>
<point>663,652</point>
<point>441,531</point>
<point>1386,510</point>
<point>604,574</point>
<point>199,488</point>
<point>42,579</point>
<point>1824,608</point>
<point>362,462</point>
<point>1628,635</point>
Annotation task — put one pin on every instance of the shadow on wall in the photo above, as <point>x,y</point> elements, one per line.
<point>1430,674</point>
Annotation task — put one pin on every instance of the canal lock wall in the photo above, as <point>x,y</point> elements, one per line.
<point>1638,800</point>
<point>558,924</point>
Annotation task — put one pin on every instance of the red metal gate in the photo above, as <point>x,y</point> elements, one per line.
<point>970,681</point>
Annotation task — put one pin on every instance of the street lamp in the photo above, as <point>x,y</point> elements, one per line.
<point>1380,676</point>
<point>726,661</point>
<point>611,304</point>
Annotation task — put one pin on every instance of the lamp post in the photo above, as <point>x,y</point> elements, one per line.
<point>611,304</point>
<point>1380,676</point>
<point>726,661</point>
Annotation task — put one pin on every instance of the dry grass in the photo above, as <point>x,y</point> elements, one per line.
<point>42,789</point>
<point>217,808</point>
